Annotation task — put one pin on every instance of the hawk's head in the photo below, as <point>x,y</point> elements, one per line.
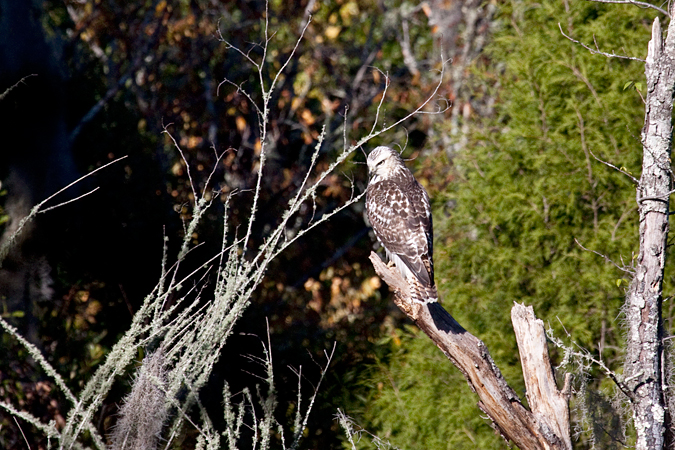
<point>384,163</point>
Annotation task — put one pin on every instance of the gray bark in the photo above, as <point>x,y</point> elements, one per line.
<point>643,367</point>
<point>548,404</point>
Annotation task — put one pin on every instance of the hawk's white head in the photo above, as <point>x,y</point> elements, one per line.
<point>384,163</point>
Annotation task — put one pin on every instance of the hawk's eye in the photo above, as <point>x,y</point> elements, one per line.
<point>379,163</point>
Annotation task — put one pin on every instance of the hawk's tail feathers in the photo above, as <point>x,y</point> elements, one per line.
<point>422,294</point>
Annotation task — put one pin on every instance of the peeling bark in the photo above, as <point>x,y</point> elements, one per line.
<point>547,425</point>
<point>643,366</point>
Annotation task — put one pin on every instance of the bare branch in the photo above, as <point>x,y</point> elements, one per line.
<point>15,85</point>
<point>605,257</point>
<point>661,198</point>
<point>636,3</point>
<point>597,51</point>
<point>584,354</point>
<point>187,164</point>
<point>290,57</point>
<point>635,180</point>
<point>379,106</point>
<point>513,421</point>
<point>4,248</point>
<point>69,201</point>
<point>243,91</point>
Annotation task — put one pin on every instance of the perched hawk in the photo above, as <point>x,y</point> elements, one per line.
<point>399,211</point>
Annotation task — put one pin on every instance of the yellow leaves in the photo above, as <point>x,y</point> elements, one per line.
<point>334,186</point>
<point>229,159</point>
<point>397,340</point>
<point>426,8</point>
<point>330,106</point>
<point>332,32</point>
<point>177,168</point>
<point>307,117</point>
<point>288,178</point>
<point>96,352</point>
<point>336,286</point>
<point>93,308</point>
<point>347,11</point>
<point>301,85</point>
<point>82,296</point>
<point>183,28</point>
<point>313,286</point>
<point>341,293</point>
<point>240,122</point>
<point>345,15</point>
<point>296,102</point>
<point>160,7</point>
<point>86,35</point>
<point>194,141</point>
<point>370,286</point>
<point>87,309</point>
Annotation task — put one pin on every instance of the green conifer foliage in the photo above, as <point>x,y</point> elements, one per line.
<point>525,189</point>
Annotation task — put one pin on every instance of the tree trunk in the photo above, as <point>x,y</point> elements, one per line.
<point>644,367</point>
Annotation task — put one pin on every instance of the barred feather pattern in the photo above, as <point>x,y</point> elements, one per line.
<point>399,211</point>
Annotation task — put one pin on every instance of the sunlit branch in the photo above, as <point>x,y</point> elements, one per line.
<point>597,50</point>
<point>636,3</point>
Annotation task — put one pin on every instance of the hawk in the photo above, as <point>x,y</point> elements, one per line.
<point>399,211</point>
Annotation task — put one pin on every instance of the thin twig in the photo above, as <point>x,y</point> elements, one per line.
<point>299,432</point>
<point>635,180</point>
<point>661,198</point>
<point>15,85</point>
<point>21,430</point>
<point>4,248</point>
<point>384,95</point>
<point>187,164</point>
<point>636,3</point>
<point>597,51</point>
<point>81,178</point>
<point>69,201</point>
<point>606,258</point>
<point>215,167</point>
<point>585,354</point>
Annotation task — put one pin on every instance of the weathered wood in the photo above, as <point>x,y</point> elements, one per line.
<point>643,365</point>
<point>549,405</point>
<point>515,422</point>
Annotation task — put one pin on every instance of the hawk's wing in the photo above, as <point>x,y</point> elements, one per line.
<point>401,219</point>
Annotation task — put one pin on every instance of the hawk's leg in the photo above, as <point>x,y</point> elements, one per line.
<point>391,264</point>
